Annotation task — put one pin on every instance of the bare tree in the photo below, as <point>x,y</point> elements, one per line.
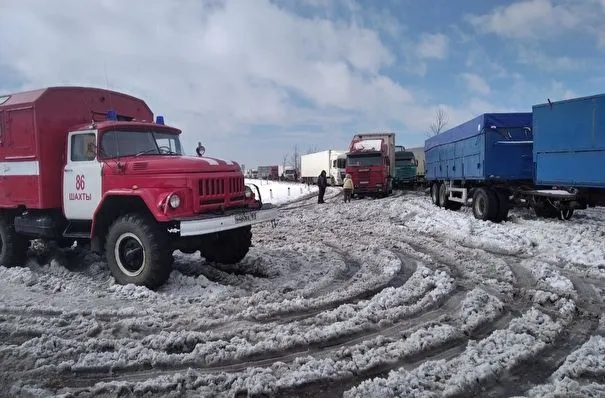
<point>295,159</point>
<point>312,149</point>
<point>439,124</point>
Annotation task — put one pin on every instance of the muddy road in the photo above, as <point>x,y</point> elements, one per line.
<point>388,297</point>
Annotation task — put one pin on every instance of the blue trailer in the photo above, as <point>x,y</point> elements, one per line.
<point>552,160</point>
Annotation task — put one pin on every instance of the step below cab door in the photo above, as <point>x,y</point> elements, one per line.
<point>81,176</point>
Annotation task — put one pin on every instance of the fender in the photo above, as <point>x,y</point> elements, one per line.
<point>154,199</point>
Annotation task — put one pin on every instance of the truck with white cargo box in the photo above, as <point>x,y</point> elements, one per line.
<point>331,160</point>
<point>91,166</point>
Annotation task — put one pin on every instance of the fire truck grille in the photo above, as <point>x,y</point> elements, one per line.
<point>232,187</point>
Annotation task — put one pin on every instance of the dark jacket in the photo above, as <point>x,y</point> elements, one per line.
<point>322,181</point>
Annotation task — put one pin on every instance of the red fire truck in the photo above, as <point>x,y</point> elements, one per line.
<point>91,165</point>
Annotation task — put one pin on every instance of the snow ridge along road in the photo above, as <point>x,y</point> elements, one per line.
<point>388,297</point>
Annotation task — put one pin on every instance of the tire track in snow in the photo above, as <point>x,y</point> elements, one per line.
<point>309,201</point>
<point>445,257</point>
<point>537,370</point>
<point>399,279</point>
<point>445,351</point>
<point>323,349</point>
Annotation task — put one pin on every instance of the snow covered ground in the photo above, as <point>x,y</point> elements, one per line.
<point>279,192</point>
<point>374,298</point>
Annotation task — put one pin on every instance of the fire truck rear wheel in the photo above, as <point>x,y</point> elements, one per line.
<point>228,247</point>
<point>13,247</point>
<point>137,253</point>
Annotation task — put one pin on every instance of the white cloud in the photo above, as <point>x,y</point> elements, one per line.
<point>546,62</point>
<point>542,19</point>
<point>433,46</point>
<point>528,18</point>
<point>212,67</point>
<point>476,83</point>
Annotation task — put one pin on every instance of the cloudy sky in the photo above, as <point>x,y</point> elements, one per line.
<point>253,78</point>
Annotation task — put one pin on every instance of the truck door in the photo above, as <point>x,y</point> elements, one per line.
<point>81,176</point>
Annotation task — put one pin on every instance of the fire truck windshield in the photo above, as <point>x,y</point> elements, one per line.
<point>364,160</point>
<point>136,143</point>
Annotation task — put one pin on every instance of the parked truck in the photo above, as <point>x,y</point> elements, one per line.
<point>92,166</point>
<point>331,160</point>
<point>371,163</point>
<point>290,174</point>
<point>268,172</point>
<point>406,167</point>
<point>550,159</point>
<point>420,167</point>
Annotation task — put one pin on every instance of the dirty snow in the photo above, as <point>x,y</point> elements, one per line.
<point>387,297</point>
<point>279,192</point>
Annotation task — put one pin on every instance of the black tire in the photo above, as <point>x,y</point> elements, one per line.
<point>485,204</point>
<point>435,194</point>
<point>13,247</point>
<point>228,247</point>
<point>565,214</point>
<point>545,210</point>
<point>445,202</point>
<point>151,264</point>
<point>503,206</point>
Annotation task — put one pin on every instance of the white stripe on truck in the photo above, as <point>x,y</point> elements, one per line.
<point>210,161</point>
<point>28,168</point>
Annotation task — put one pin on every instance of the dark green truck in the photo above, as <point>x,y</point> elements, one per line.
<point>406,167</point>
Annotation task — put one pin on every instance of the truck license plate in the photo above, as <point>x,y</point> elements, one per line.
<point>243,217</point>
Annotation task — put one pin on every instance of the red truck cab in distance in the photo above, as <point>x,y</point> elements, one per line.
<point>371,162</point>
<point>91,165</point>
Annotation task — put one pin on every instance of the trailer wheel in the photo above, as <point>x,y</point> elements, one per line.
<point>565,214</point>
<point>435,193</point>
<point>445,202</point>
<point>485,204</point>
<point>228,247</point>
<point>13,247</point>
<point>544,209</point>
<point>137,252</point>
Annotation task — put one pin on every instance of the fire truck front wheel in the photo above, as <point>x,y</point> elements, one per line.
<point>13,247</point>
<point>137,253</point>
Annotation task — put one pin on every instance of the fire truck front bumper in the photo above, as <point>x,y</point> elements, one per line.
<point>216,223</point>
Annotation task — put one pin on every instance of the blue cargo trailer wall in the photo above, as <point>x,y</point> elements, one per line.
<point>487,159</point>
<point>569,142</point>
<point>491,146</point>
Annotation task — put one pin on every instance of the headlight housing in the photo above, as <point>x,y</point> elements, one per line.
<point>174,201</point>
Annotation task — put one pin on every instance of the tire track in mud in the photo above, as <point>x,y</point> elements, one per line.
<point>320,349</point>
<point>306,202</point>
<point>445,351</point>
<point>398,280</point>
<point>537,370</point>
<point>352,267</point>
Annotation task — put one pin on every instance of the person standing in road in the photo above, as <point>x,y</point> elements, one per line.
<point>347,187</point>
<point>322,183</point>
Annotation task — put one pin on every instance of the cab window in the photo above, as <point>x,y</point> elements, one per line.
<point>83,147</point>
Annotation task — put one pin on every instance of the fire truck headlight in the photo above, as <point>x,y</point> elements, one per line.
<point>174,201</point>
<point>249,193</point>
